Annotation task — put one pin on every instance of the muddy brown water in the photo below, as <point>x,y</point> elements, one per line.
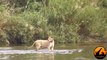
<point>61,52</point>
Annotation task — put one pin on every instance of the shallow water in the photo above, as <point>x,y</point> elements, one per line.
<point>61,52</point>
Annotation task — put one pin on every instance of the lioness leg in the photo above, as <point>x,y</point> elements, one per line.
<point>52,48</point>
<point>49,48</point>
<point>37,46</point>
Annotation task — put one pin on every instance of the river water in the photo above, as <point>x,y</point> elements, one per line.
<point>61,52</point>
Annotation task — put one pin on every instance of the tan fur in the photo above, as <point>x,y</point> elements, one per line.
<point>44,44</point>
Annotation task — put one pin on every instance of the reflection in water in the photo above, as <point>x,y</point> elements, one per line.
<point>4,57</point>
<point>27,57</point>
<point>45,57</point>
<point>34,57</point>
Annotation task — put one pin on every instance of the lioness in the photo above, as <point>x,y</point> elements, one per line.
<point>49,43</point>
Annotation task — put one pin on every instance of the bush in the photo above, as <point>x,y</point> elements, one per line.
<point>66,20</point>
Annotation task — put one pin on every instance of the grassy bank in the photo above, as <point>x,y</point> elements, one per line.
<point>71,21</point>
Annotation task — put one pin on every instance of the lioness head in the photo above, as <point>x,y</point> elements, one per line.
<point>50,39</point>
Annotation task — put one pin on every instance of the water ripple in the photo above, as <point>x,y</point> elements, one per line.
<point>40,51</point>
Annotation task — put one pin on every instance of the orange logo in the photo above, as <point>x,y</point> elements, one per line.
<point>100,52</point>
